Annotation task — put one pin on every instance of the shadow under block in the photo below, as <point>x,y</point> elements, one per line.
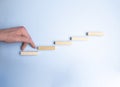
<point>76,38</point>
<point>46,48</point>
<point>29,53</point>
<point>62,43</point>
<point>95,33</point>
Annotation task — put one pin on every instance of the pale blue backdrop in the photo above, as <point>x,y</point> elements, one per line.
<point>94,63</point>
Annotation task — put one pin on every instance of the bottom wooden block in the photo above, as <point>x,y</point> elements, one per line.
<point>28,53</point>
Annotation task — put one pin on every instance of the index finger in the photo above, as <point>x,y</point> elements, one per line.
<point>32,44</point>
<point>25,33</point>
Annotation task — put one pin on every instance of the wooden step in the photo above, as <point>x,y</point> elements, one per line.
<point>62,42</point>
<point>94,33</point>
<point>46,48</point>
<point>29,53</point>
<point>78,38</point>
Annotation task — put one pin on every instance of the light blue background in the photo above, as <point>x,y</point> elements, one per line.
<point>94,63</point>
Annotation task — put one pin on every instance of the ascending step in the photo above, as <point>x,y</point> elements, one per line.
<point>78,38</point>
<point>95,33</point>
<point>29,53</point>
<point>62,42</point>
<point>46,48</point>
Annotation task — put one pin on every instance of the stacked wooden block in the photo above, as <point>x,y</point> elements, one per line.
<point>69,42</point>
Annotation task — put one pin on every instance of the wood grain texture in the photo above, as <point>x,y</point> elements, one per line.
<point>46,48</point>
<point>29,53</point>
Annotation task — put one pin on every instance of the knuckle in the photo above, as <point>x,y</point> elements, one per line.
<point>22,27</point>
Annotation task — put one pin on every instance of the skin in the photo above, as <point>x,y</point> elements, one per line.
<point>16,34</point>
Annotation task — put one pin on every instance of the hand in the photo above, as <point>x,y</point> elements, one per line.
<point>16,34</point>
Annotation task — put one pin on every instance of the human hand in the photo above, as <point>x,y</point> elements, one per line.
<point>16,34</point>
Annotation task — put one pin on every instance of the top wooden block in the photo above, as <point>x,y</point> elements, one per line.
<point>95,33</point>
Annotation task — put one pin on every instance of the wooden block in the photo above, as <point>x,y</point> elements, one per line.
<point>62,43</point>
<point>79,38</point>
<point>95,33</point>
<point>46,48</point>
<point>29,53</point>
